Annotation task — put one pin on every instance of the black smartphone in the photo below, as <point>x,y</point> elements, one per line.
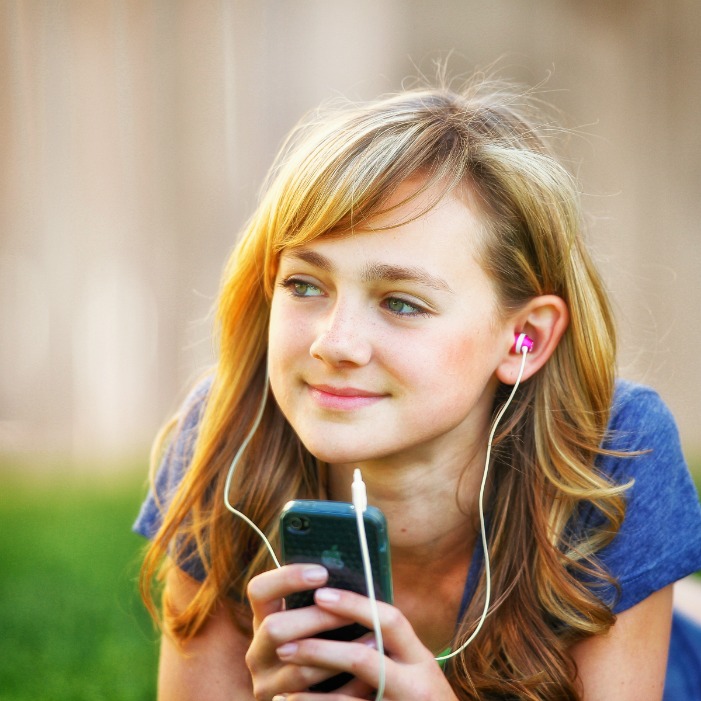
<point>326,533</point>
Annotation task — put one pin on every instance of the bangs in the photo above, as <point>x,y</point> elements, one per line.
<point>335,179</point>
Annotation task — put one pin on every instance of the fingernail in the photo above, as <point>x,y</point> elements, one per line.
<point>314,574</point>
<point>280,697</point>
<point>327,595</point>
<point>286,650</point>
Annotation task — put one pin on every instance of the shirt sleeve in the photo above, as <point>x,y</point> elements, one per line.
<point>659,541</point>
<point>175,462</point>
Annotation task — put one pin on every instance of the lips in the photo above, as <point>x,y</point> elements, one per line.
<point>343,398</point>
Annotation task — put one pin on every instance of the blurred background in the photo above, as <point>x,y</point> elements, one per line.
<point>134,137</point>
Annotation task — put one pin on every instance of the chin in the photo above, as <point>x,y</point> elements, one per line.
<point>338,454</point>
<point>338,457</point>
<point>351,456</point>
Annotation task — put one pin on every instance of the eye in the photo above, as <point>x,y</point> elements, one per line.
<point>301,288</point>
<point>401,307</point>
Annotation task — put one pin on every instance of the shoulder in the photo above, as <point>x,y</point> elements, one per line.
<point>181,442</point>
<point>643,436</point>
<point>188,420</point>
<point>636,411</point>
<point>660,538</point>
<point>643,431</point>
<point>180,446</point>
<point>192,408</point>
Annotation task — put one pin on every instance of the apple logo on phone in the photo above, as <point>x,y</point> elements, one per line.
<point>332,558</point>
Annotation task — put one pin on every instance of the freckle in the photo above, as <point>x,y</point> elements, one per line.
<point>404,530</point>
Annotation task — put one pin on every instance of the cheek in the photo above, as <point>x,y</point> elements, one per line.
<point>277,332</point>
<point>469,349</point>
<point>458,364</point>
<point>287,342</point>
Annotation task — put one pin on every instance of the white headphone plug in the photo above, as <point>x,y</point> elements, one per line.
<point>360,496</point>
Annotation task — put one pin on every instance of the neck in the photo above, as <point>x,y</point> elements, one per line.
<point>431,510</point>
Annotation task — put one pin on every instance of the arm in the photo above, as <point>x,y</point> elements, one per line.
<point>211,666</point>
<point>630,661</point>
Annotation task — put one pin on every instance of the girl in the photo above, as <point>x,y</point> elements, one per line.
<point>398,251</point>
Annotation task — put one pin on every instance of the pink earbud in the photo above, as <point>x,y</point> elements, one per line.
<point>523,341</point>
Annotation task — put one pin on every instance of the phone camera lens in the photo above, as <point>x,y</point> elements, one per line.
<point>298,524</point>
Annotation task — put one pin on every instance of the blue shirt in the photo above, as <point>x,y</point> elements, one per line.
<point>658,543</point>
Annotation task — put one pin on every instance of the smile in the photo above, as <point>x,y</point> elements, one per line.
<point>343,398</point>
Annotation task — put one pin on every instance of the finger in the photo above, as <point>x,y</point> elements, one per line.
<point>353,691</point>
<point>398,635</point>
<point>267,590</point>
<point>269,679</point>
<point>284,626</point>
<point>357,658</point>
<point>332,696</point>
<point>295,678</point>
<point>270,675</point>
<point>277,630</point>
<point>356,689</point>
<point>402,681</point>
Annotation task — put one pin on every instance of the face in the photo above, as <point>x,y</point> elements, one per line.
<point>384,345</point>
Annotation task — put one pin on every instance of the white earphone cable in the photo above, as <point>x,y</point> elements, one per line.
<point>360,503</point>
<point>483,528</point>
<point>232,469</point>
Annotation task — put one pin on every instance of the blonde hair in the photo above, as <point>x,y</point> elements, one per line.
<point>335,172</point>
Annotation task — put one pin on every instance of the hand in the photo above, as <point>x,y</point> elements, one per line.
<point>274,627</point>
<point>411,672</point>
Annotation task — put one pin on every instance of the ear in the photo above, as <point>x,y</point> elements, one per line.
<point>545,320</point>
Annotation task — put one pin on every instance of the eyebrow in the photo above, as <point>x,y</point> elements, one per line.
<point>377,272</point>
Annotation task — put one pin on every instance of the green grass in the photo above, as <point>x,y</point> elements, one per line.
<point>71,624</point>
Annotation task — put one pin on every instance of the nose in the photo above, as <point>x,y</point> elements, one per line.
<point>342,337</point>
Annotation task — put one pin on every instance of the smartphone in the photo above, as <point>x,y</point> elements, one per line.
<point>326,533</point>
